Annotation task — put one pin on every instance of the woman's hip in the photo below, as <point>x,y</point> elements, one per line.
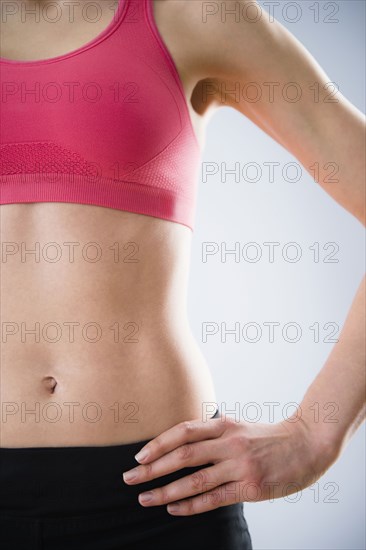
<point>75,497</point>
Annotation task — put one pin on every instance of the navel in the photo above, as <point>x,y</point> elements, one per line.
<point>50,383</point>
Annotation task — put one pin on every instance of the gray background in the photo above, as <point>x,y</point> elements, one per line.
<point>331,515</point>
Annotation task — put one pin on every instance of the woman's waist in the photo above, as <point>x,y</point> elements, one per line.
<point>91,399</point>
<point>68,481</point>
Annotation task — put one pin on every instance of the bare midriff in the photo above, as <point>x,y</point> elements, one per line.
<point>96,347</point>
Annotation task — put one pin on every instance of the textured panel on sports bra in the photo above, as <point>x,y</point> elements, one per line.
<point>42,158</point>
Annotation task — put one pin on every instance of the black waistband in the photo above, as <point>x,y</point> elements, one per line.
<point>53,481</point>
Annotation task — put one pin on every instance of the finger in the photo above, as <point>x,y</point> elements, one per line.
<point>184,432</point>
<point>198,482</point>
<point>189,454</point>
<point>222,495</point>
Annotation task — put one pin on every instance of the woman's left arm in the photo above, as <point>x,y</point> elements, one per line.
<point>261,461</point>
<point>319,126</point>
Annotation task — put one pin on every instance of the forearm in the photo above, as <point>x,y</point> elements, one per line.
<point>338,391</point>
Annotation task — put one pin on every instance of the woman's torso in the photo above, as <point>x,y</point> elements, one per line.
<point>96,346</point>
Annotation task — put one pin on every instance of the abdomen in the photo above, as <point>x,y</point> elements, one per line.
<point>96,347</point>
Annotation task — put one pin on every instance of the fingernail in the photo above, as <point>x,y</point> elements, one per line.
<point>129,476</point>
<point>141,455</point>
<point>173,507</point>
<point>145,497</point>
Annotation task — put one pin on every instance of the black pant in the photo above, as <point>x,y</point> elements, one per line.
<point>74,498</point>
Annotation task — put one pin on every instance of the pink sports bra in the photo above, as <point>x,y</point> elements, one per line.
<point>106,124</point>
